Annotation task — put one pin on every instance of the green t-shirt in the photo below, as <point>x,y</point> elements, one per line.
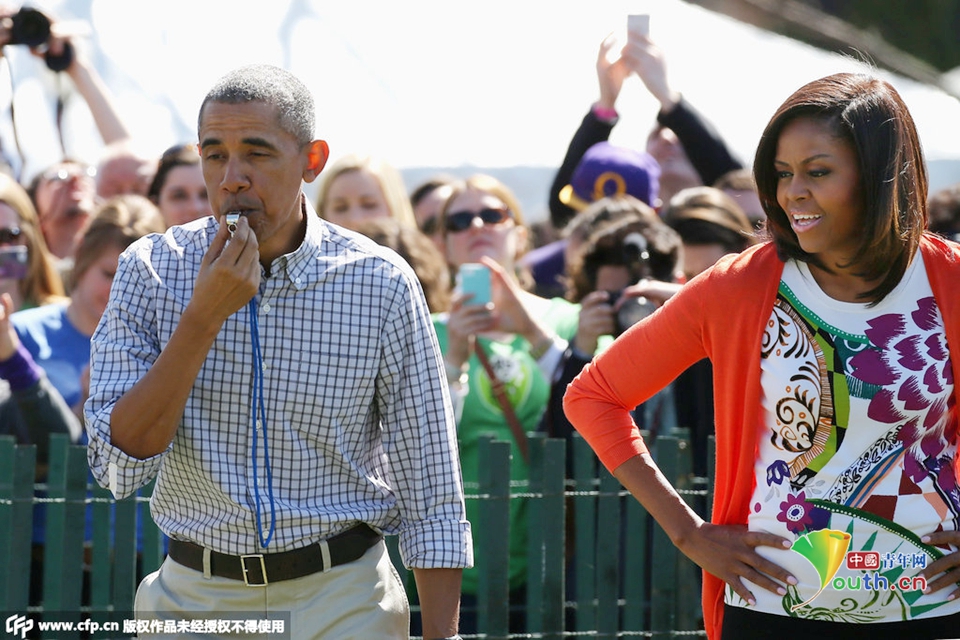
<point>528,390</point>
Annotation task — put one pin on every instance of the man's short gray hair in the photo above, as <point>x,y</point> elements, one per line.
<point>274,86</point>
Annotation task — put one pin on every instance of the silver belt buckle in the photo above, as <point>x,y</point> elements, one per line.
<point>263,569</point>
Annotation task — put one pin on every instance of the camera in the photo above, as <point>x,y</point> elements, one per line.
<point>31,27</point>
<point>631,311</point>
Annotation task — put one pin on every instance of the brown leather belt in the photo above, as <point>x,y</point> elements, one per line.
<point>257,570</point>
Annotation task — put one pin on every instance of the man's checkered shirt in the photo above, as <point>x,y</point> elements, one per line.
<point>359,423</point>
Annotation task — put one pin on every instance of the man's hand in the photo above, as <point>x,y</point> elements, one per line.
<point>145,418</point>
<point>229,274</point>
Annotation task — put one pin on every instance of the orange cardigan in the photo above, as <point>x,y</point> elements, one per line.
<point>721,315</point>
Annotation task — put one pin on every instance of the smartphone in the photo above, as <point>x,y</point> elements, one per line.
<point>638,24</point>
<point>474,278</point>
<point>13,263</point>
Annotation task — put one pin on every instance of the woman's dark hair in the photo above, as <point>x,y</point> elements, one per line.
<point>707,215</point>
<point>616,244</point>
<point>428,186</point>
<point>869,114</point>
<point>181,155</point>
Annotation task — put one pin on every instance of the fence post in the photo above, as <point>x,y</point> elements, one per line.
<point>663,555</point>
<point>17,470</point>
<point>586,485</point>
<point>554,519</point>
<point>124,553</point>
<point>689,610</point>
<point>636,581</point>
<point>63,552</point>
<point>536,563</point>
<point>546,540</point>
<point>101,572</point>
<point>609,543</point>
<point>492,538</point>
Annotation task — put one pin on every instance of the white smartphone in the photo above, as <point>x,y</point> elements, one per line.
<point>638,24</point>
<point>474,278</point>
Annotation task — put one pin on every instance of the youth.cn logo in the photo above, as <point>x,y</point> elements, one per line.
<point>19,625</point>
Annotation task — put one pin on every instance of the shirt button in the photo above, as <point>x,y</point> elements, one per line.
<point>266,308</point>
<point>298,281</point>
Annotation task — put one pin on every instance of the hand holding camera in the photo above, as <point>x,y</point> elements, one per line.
<point>610,313</point>
<point>33,29</point>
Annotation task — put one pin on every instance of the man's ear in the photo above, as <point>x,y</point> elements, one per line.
<point>317,154</point>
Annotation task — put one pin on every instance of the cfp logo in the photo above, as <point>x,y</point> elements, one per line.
<point>19,625</point>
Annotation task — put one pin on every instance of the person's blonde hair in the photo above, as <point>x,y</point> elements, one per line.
<point>389,178</point>
<point>116,223</point>
<point>42,284</point>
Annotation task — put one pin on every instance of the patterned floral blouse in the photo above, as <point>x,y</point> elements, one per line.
<point>855,462</point>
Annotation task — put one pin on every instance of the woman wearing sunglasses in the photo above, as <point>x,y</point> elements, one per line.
<point>30,407</point>
<point>34,281</point>
<point>520,336</point>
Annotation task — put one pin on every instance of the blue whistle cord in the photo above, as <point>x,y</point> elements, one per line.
<point>258,409</point>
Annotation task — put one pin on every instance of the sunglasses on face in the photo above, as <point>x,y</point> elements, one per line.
<point>10,235</point>
<point>462,220</point>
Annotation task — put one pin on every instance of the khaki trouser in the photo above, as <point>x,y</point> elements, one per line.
<point>360,599</point>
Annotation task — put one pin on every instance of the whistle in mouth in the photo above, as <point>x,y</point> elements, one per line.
<point>232,218</point>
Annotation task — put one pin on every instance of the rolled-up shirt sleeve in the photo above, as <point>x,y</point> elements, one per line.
<point>122,349</point>
<point>420,442</point>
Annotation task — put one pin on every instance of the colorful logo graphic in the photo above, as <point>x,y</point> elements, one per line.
<point>825,549</point>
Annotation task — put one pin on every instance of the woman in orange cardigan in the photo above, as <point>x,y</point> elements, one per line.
<point>836,504</point>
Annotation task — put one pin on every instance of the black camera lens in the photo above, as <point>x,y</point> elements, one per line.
<point>632,311</point>
<point>29,27</point>
<point>62,61</point>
